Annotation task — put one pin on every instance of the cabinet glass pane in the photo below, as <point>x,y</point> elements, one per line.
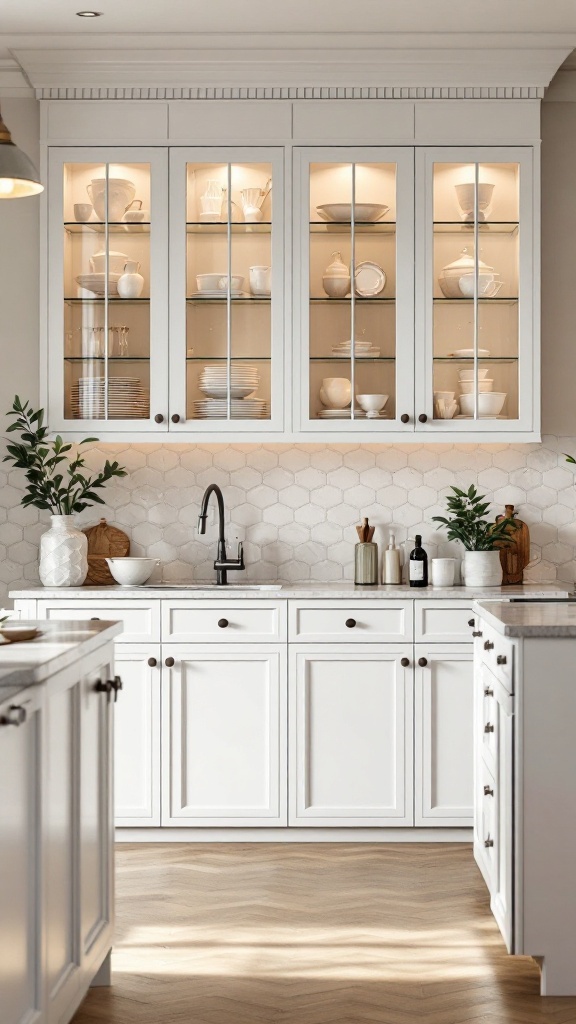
<point>107,226</point>
<point>228,291</point>
<point>352,330</point>
<point>476,241</point>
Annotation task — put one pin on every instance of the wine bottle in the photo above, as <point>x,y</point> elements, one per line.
<point>418,565</point>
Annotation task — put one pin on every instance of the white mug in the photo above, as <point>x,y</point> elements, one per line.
<point>443,570</point>
<point>260,280</point>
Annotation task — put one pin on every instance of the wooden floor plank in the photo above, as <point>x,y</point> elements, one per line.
<point>269,933</point>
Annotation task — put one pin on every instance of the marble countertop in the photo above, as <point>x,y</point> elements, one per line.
<point>541,619</point>
<point>60,645</point>
<point>342,590</point>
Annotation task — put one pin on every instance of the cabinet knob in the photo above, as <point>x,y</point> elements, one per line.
<point>223,623</point>
<point>116,684</point>
<point>405,662</point>
<point>103,686</point>
<point>405,418</point>
<point>488,645</point>
<point>422,418</point>
<point>169,662</point>
<point>488,727</point>
<point>95,618</point>
<point>158,418</point>
<point>471,622</point>
<point>488,692</point>
<point>175,418</point>
<point>501,659</point>
<point>350,623</point>
<point>15,715</point>
<point>422,662</point>
<point>488,791</point>
<point>477,632</point>
<point>488,843</point>
<point>152,662</point>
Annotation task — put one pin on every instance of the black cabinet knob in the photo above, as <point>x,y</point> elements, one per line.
<point>478,632</point>
<point>488,645</point>
<point>158,418</point>
<point>405,662</point>
<point>223,623</point>
<point>471,622</point>
<point>422,662</point>
<point>152,662</point>
<point>488,727</point>
<point>116,684</point>
<point>405,418</point>
<point>350,623</point>
<point>15,715</point>
<point>488,791</point>
<point>95,618</point>
<point>169,662</point>
<point>175,418</point>
<point>103,686</point>
<point>423,418</point>
<point>501,659</point>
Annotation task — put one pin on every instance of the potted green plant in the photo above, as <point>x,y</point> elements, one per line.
<point>59,485</point>
<point>481,538</point>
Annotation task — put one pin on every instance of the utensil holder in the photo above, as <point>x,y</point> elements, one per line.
<point>366,564</point>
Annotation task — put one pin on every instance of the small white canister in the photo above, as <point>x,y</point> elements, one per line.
<point>443,571</point>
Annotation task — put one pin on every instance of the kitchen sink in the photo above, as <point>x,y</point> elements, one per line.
<point>214,586</point>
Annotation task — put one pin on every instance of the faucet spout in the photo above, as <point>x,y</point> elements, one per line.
<point>222,563</point>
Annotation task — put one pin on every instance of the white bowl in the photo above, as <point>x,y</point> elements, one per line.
<point>468,373</point>
<point>218,282</point>
<point>131,572</point>
<point>489,405</point>
<point>95,283</point>
<point>336,392</point>
<point>484,386</point>
<point>363,212</point>
<point>447,396</point>
<point>116,262</point>
<point>372,404</point>
<point>465,196</point>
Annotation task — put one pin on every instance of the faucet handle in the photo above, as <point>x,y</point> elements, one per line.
<point>240,552</point>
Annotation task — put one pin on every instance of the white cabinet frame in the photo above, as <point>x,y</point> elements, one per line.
<point>137,733</point>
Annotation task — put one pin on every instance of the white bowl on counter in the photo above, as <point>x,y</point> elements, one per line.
<point>131,572</point>
<point>489,405</point>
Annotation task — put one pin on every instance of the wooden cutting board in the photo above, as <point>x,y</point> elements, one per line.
<point>104,541</point>
<point>514,557</point>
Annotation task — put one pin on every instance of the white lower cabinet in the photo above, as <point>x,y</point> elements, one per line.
<point>351,735</point>
<point>137,736</point>
<point>443,698</point>
<point>224,735</point>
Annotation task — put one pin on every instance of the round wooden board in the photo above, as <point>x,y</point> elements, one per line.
<point>104,542</point>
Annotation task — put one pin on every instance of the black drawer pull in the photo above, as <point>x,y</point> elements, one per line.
<point>488,727</point>
<point>223,623</point>
<point>488,843</point>
<point>152,662</point>
<point>405,418</point>
<point>350,623</point>
<point>477,633</point>
<point>95,618</point>
<point>423,417</point>
<point>488,791</point>
<point>471,622</point>
<point>488,692</point>
<point>169,662</point>
<point>488,645</point>
<point>501,659</point>
<point>15,715</point>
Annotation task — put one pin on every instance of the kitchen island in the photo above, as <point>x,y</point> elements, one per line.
<point>525,772</point>
<point>56,826</point>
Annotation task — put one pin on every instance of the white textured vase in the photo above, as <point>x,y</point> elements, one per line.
<point>63,554</point>
<point>482,569</point>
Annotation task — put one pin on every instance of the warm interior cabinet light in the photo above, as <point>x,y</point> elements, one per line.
<point>18,176</point>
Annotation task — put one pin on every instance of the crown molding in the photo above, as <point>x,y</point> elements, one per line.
<point>252,61</point>
<point>319,92</point>
<point>13,81</point>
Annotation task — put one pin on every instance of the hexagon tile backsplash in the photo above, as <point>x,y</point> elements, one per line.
<point>295,507</point>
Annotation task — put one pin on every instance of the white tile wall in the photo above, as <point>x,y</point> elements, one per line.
<point>295,507</point>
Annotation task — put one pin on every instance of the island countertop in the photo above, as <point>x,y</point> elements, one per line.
<point>538,619</point>
<point>32,662</point>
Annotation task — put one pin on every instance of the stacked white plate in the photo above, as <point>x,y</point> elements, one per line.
<point>244,381</point>
<point>361,349</point>
<point>127,398</point>
<point>240,409</point>
<point>96,283</point>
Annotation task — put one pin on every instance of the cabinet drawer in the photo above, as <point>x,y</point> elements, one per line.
<point>497,653</point>
<point>141,619</point>
<point>350,622</point>
<point>223,621</point>
<point>441,622</point>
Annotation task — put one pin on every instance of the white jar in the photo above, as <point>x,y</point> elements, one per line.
<point>131,283</point>
<point>336,278</point>
<point>482,569</point>
<point>443,570</point>
<point>63,554</point>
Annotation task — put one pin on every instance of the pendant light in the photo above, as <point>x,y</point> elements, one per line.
<point>18,176</point>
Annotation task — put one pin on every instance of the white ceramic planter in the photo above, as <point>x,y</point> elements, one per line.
<point>482,569</point>
<point>63,554</point>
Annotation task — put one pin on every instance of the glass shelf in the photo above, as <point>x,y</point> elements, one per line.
<point>344,227</point>
<point>358,359</point>
<point>359,299</point>
<point>494,300</point>
<point>114,227</point>
<point>454,227</point>
<point>262,227</point>
<point>233,359</point>
<point>111,359</point>
<point>70,300</point>
<point>233,298</point>
<point>481,359</point>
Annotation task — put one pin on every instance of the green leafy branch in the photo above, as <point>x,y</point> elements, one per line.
<point>55,482</point>
<point>467,523</point>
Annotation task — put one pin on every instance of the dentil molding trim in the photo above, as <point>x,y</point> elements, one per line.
<point>319,92</point>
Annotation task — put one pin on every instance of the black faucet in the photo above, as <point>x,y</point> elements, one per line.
<point>222,562</point>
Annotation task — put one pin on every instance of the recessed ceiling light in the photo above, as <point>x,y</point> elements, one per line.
<point>89,14</point>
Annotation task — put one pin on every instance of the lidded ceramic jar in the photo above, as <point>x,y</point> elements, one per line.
<point>449,277</point>
<point>336,278</point>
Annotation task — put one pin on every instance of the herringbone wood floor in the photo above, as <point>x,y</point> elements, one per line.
<point>311,934</point>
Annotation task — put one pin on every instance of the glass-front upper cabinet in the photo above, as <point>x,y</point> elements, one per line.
<point>479,320</point>
<point>107,291</point>
<point>355,285</point>
<point>227,293</point>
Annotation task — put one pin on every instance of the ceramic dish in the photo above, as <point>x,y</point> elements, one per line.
<point>484,386</point>
<point>15,634</point>
<point>468,373</point>
<point>342,212</point>
<point>219,294</point>
<point>489,405</point>
<point>131,572</point>
<point>95,283</point>
<point>341,414</point>
<point>370,279</point>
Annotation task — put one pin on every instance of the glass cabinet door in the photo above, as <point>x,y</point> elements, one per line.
<point>107,291</point>
<point>356,290</point>
<point>226,369</point>
<point>480,311</point>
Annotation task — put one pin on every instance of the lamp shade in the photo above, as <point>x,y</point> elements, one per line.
<point>18,176</point>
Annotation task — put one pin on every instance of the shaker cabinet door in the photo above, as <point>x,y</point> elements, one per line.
<point>137,736</point>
